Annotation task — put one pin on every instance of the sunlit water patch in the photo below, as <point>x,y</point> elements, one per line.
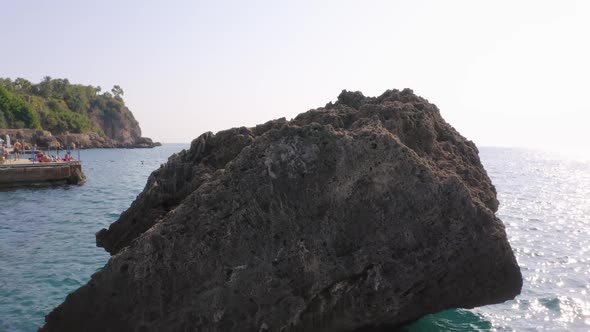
<point>545,205</point>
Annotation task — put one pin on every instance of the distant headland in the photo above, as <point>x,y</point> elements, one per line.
<point>56,113</point>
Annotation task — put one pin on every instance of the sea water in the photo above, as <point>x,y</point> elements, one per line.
<point>47,244</point>
<point>545,205</point>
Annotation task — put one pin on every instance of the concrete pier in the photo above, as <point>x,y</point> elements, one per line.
<point>40,174</point>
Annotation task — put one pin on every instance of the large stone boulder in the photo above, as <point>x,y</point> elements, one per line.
<point>86,140</point>
<point>94,140</point>
<point>367,213</point>
<point>44,139</point>
<point>144,143</point>
<point>30,137</point>
<point>24,136</point>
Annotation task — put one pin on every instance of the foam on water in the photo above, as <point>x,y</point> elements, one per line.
<point>47,246</point>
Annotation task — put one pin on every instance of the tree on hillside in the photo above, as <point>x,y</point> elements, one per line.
<point>77,99</point>
<point>58,106</point>
<point>59,87</point>
<point>6,83</point>
<point>117,92</point>
<point>22,85</point>
<point>16,112</point>
<point>44,89</point>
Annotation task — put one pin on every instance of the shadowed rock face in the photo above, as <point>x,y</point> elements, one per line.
<point>369,212</point>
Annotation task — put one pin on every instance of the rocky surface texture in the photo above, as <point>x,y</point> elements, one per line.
<point>45,139</point>
<point>367,213</point>
<point>120,125</point>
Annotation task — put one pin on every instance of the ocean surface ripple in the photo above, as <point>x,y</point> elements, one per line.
<point>545,205</point>
<point>47,245</point>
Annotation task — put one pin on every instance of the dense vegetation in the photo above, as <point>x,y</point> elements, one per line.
<point>57,105</point>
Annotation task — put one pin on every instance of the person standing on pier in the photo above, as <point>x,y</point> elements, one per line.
<point>3,154</point>
<point>17,148</point>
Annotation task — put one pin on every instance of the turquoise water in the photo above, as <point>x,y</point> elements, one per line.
<point>47,246</point>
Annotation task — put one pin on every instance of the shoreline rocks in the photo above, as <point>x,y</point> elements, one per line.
<point>370,212</point>
<point>46,139</point>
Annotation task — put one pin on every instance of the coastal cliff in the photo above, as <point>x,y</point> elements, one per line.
<point>364,214</point>
<point>56,113</point>
<point>45,139</point>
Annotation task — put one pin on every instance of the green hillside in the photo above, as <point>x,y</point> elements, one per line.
<point>58,106</point>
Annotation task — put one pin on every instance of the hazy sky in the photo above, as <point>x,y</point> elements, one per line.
<point>504,73</point>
